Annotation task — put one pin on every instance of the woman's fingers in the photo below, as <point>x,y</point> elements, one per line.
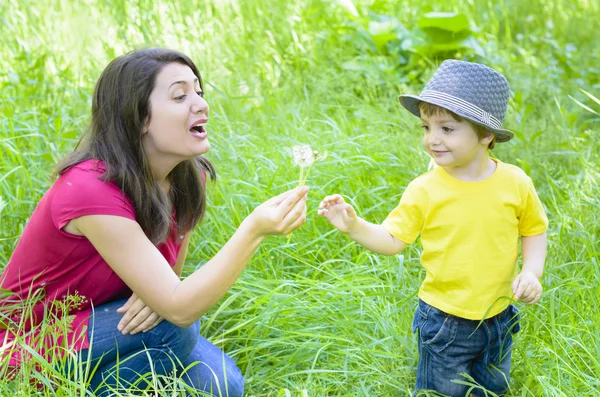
<point>297,221</point>
<point>290,202</point>
<point>131,313</point>
<point>295,212</point>
<point>127,304</point>
<point>138,320</point>
<point>158,321</point>
<point>147,324</point>
<point>275,201</point>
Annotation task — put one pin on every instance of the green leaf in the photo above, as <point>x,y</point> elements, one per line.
<point>449,21</point>
<point>432,41</point>
<point>349,6</point>
<point>383,29</point>
<point>352,65</point>
<point>593,98</point>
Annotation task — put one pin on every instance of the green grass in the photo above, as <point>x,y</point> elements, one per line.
<point>321,316</point>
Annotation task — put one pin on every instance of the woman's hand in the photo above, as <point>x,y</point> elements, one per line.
<point>339,213</point>
<point>138,317</point>
<point>281,214</point>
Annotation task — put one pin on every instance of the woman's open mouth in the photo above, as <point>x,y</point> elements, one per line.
<point>199,131</point>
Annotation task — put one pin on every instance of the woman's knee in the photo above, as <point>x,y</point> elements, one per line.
<point>235,381</point>
<point>180,341</point>
<point>209,369</point>
<point>232,379</point>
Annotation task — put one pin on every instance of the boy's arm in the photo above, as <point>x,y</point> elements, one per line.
<point>527,287</point>
<point>534,254</point>
<point>375,238</point>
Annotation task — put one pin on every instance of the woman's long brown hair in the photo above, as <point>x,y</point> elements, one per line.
<point>120,109</point>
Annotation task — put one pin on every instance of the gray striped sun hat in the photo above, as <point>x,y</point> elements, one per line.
<point>475,92</point>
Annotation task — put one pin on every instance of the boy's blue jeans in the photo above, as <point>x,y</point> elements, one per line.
<point>450,346</point>
<point>164,350</point>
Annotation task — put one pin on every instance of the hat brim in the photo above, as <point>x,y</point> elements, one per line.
<point>411,103</point>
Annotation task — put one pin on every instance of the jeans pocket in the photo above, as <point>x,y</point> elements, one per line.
<point>513,319</point>
<point>510,326</point>
<point>438,330</point>
<point>420,316</point>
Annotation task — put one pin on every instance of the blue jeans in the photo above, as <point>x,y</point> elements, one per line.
<point>164,350</point>
<point>450,346</point>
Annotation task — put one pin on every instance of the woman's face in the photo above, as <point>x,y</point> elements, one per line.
<point>176,130</point>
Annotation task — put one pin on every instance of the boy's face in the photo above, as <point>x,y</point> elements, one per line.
<point>452,143</point>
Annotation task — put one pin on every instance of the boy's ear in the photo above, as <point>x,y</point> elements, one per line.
<point>486,140</point>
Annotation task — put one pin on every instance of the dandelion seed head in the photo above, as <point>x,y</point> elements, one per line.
<point>303,155</point>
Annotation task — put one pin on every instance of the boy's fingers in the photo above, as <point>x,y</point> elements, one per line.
<point>524,290</point>
<point>532,298</point>
<point>350,210</point>
<point>333,211</point>
<point>528,291</point>
<point>520,290</point>
<point>333,199</point>
<point>515,285</point>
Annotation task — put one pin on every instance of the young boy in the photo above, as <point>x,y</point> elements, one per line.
<point>469,212</point>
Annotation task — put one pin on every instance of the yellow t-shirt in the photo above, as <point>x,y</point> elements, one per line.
<point>469,232</point>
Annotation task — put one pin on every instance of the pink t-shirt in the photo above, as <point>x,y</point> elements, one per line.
<point>62,264</point>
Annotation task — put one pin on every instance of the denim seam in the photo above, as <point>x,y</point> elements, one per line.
<point>486,354</point>
<point>500,331</point>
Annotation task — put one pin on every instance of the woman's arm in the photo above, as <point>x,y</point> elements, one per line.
<point>139,317</point>
<point>127,250</point>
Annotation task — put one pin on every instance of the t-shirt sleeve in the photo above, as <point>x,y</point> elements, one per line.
<point>532,217</point>
<point>405,222</point>
<point>79,192</point>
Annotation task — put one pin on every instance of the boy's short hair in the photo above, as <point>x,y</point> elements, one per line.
<point>429,109</point>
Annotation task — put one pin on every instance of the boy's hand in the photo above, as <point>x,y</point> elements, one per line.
<point>339,213</point>
<point>527,288</point>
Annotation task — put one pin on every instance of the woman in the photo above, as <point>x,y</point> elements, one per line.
<point>118,220</point>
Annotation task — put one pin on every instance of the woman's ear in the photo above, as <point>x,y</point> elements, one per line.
<point>146,125</point>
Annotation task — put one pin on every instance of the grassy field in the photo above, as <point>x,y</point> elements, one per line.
<point>319,316</point>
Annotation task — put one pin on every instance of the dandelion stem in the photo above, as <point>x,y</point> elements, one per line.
<point>301,179</point>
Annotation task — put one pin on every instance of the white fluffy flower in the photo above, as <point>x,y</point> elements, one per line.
<point>303,155</point>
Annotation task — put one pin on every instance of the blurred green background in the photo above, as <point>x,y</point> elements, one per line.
<point>320,316</point>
